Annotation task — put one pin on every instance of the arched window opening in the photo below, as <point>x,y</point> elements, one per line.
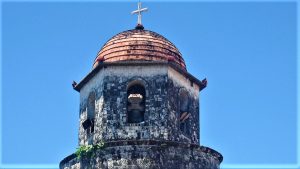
<point>88,124</point>
<point>135,103</point>
<point>184,113</point>
<point>91,106</point>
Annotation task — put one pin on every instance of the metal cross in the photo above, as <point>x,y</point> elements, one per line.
<point>139,12</point>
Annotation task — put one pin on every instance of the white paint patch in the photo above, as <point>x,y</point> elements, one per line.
<point>182,81</point>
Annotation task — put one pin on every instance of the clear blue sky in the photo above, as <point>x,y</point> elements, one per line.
<point>247,51</point>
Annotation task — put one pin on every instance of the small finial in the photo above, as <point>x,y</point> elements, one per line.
<point>139,13</point>
<point>74,84</point>
<point>139,26</point>
<point>204,82</point>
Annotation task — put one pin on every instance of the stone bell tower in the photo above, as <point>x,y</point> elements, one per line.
<point>139,108</point>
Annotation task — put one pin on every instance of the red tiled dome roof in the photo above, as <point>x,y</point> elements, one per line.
<point>139,44</point>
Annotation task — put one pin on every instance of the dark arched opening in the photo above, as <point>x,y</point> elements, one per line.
<point>184,113</point>
<point>88,124</point>
<point>136,103</point>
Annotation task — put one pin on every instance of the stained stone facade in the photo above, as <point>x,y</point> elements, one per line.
<point>144,108</point>
<point>147,155</point>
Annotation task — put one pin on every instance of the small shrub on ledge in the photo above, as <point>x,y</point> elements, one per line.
<point>88,150</point>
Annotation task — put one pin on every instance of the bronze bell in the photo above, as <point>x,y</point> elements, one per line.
<point>135,109</point>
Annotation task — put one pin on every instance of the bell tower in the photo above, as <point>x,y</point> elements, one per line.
<point>139,108</point>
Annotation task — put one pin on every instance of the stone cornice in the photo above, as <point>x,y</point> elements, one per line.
<point>100,66</point>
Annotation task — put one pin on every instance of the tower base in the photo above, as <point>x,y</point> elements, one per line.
<point>147,154</point>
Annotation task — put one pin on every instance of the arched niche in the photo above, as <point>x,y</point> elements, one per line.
<point>91,106</point>
<point>136,96</point>
<point>88,123</point>
<point>184,114</point>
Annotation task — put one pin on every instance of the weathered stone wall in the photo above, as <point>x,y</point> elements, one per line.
<point>157,142</point>
<point>177,82</point>
<point>94,85</point>
<point>110,85</point>
<point>161,105</point>
<point>149,155</point>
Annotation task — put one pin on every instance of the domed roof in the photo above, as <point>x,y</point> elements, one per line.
<point>139,45</point>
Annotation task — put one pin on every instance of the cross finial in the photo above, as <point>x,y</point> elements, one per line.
<point>139,13</point>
